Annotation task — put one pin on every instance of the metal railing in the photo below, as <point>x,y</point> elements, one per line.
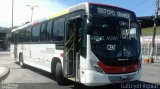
<point>146,50</point>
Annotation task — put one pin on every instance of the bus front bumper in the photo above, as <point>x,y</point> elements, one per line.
<point>98,79</point>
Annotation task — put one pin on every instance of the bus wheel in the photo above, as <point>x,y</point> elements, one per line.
<point>21,61</point>
<point>58,74</point>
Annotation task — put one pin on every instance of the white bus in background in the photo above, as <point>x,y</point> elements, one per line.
<point>90,43</point>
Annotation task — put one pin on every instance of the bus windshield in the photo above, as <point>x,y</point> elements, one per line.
<point>114,38</point>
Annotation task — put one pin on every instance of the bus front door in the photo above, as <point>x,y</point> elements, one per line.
<point>71,63</point>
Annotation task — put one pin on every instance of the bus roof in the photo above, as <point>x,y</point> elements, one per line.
<point>65,11</point>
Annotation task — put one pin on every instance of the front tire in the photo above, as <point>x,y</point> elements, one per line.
<point>58,74</point>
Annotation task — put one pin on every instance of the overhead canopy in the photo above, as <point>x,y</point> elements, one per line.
<point>148,21</point>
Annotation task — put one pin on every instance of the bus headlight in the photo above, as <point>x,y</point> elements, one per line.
<point>96,67</point>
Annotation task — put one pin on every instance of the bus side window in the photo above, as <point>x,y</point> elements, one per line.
<point>12,37</point>
<point>16,37</point>
<point>49,29</point>
<point>27,37</point>
<point>35,33</point>
<point>21,35</point>
<point>43,32</point>
<point>58,31</point>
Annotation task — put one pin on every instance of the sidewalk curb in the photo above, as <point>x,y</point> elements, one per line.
<point>4,74</point>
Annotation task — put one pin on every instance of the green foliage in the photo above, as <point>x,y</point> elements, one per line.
<point>149,31</point>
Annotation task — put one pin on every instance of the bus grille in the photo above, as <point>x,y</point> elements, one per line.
<point>122,78</point>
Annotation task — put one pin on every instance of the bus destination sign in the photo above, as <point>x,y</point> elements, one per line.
<point>110,11</point>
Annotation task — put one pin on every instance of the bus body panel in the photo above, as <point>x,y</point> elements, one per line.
<point>82,69</point>
<point>27,53</point>
<point>12,51</point>
<point>42,57</point>
<point>39,56</point>
<point>19,50</point>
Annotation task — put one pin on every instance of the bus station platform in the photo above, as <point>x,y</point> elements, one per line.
<point>4,72</point>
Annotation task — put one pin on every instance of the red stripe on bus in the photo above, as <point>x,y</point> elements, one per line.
<point>62,55</point>
<point>119,69</point>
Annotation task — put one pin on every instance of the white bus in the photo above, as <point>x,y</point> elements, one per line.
<point>90,43</point>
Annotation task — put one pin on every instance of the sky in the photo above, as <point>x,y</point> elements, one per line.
<point>22,12</point>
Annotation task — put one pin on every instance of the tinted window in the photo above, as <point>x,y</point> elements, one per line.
<point>12,37</point>
<point>21,35</point>
<point>35,33</point>
<point>46,31</point>
<point>58,31</point>
<point>27,35</point>
<point>43,33</point>
<point>49,29</point>
<point>16,37</point>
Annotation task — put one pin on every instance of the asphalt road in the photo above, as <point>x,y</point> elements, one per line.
<point>32,78</point>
